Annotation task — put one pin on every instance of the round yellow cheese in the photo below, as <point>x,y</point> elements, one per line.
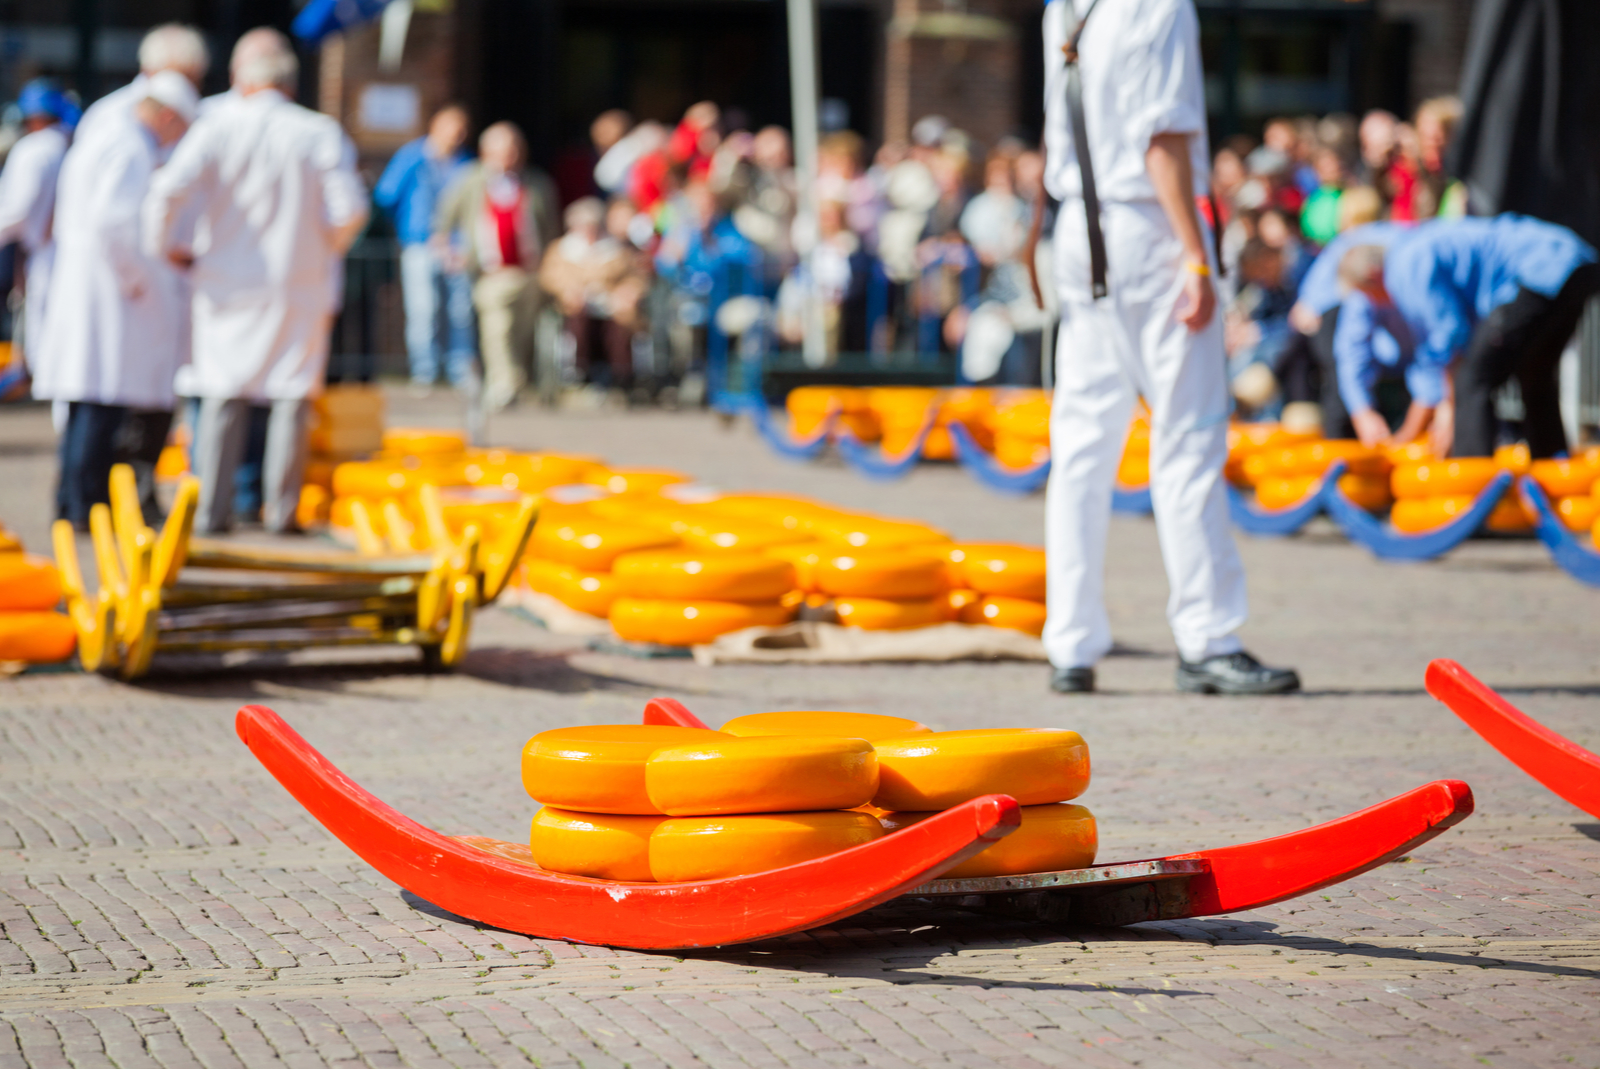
<point>1011,571</point>
<point>588,592</point>
<point>679,573</point>
<point>1014,614</point>
<point>632,480</point>
<point>423,441</point>
<point>1443,478</point>
<point>804,556</point>
<point>870,532</point>
<point>28,583</point>
<point>764,774</point>
<point>690,622</point>
<point>714,848</point>
<point>885,614</point>
<point>592,543</point>
<point>599,768</point>
<point>936,771</point>
<point>602,846</point>
<point>869,726</point>
<point>881,574</point>
<point>1051,838</point>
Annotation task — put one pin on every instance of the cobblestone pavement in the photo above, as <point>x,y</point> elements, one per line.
<point>164,902</point>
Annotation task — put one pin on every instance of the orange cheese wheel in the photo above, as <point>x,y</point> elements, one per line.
<point>36,637</point>
<point>600,768</point>
<point>1509,517</point>
<point>683,849</point>
<point>314,506</point>
<point>763,774</point>
<point>1138,441</point>
<point>1014,614</point>
<point>881,574</point>
<point>1253,468</point>
<point>1280,492</point>
<point>686,622</point>
<point>1415,514</point>
<point>525,472</point>
<point>422,441</point>
<point>28,584</point>
<point>1409,453</point>
<point>990,568</point>
<point>1564,478</point>
<point>727,533</point>
<point>592,543</point>
<point>1134,470</point>
<point>869,726</point>
<point>1516,458</point>
<point>870,532</point>
<point>601,846</point>
<point>631,480</point>
<point>790,513</point>
<point>588,592</point>
<point>378,479</point>
<point>1578,513</point>
<point>1027,418</point>
<point>885,614</point>
<point>678,573</point>
<point>1370,492</point>
<point>936,771</point>
<point>1443,478</point>
<point>960,599</point>
<point>1051,838</point>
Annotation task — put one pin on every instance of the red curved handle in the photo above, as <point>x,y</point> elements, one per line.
<point>1554,760</point>
<point>509,894</point>
<point>671,713</point>
<point>1271,870</point>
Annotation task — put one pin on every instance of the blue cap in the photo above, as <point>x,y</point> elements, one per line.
<point>43,97</point>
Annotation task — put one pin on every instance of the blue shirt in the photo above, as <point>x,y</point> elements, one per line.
<point>1319,289</point>
<point>1453,272</point>
<point>1373,342</point>
<point>410,187</point>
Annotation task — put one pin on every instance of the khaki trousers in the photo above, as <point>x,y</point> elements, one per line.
<point>507,302</point>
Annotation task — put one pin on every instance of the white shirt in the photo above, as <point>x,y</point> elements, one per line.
<point>275,198</point>
<point>115,105</point>
<point>115,317</point>
<point>28,187</point>
<point>1139,61</point>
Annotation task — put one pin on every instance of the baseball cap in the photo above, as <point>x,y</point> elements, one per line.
<point>174,92</point>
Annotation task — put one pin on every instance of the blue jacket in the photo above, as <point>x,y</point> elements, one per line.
<point>1319,289</point>
<point>410,186</point>
<point>1373,342</point>
<point>1449,274</point>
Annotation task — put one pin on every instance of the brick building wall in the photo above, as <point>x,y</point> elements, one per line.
<point>1439,43</point>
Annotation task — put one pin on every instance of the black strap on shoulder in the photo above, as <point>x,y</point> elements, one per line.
<point>1080,140</point>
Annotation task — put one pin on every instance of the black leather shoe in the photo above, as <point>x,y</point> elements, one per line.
<point>1235,673</point>
<point>1072,680</point>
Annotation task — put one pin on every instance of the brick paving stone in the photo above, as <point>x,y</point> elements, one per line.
<point>163,902</point>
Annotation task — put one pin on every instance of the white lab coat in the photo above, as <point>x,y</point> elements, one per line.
<point>275,199</point>
<point>115,319</point>
<point>1141,76</point>
<point>27,206</point>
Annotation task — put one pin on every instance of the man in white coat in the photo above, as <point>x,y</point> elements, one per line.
<point>115,314</point>
<point>1154,332</point>
<point>28,199</point>
<point>169,47</point>
<point>275,193</point>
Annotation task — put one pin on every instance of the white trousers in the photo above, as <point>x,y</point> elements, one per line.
<point>1110,352</point>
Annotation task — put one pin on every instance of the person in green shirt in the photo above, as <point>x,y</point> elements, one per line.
<point>1319,217</point>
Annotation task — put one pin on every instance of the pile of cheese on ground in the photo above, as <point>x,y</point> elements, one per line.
<point>31,630</point>
<point>644,803</point>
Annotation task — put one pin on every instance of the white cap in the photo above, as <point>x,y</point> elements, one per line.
<point>174,92</point>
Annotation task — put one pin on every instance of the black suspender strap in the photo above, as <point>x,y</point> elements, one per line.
<point>1080,140</point>
<point>1216,233</point>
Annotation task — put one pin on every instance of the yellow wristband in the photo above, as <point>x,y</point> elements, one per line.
<point>1199,267</point>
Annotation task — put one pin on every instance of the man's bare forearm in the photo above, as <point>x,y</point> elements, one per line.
<point>1167,160</point>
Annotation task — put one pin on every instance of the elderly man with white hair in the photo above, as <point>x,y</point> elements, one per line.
<point>274,187</point>
<point>169,47</point>
<point>115,315</point>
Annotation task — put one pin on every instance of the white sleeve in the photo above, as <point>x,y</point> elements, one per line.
<point>1163,91</point>
<point>118,190</point>
<point>177,192</point>
<point>21,186</point>
<point>344,194</point>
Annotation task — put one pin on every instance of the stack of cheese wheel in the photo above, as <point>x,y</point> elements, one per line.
<point>1569,485</point>
<point>882,589</point>
<point>1431,493</point>
<point>901,412</point>
<point>571,553</point>
<point>809,405</point>
<point>1249,445</point>
<point>970,406</point>
<point>1293,472</point>
<point>994,583</point>
<point>31,630</point>
<point>668,804</point>
<point>1042,768</point>
<point>1021,426</point>
<point>1133,472</point>
<point>689,596</point>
